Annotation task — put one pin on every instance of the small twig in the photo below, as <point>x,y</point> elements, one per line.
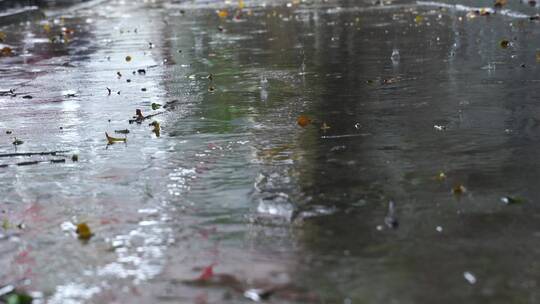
<point>143,118</point>
<point>54,153</point>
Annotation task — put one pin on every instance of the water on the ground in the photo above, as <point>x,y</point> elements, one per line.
<point>415,180</point>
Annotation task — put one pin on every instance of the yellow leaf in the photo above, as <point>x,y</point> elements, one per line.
<point>83,231</point>
<point>112,140</point>
<point>223,13</point>
<point>157,128</point>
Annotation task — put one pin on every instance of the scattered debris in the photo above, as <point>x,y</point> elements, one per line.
<point>128,58</point>
<point>439,127</point>
<point>257,295</point>
<point>469,277</point>
<point>124,131</point>
<point>504,44</point>
<point>28,163</point>
<point>141,71</point>
<point>440,177</point>
<point>75,158</point>
<point>171,104</point>
<point>109,91</point>
<point>325,127</point>
<point>17,142</point>
<point>508,200</point>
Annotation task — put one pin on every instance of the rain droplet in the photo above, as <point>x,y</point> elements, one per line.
<point>395,56</point>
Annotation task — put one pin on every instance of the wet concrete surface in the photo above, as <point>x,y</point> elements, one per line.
<point>233,201</point>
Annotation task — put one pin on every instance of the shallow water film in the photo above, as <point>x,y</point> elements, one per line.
<point>298,151</point>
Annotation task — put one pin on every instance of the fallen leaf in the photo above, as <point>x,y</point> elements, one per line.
<point>6,51</point>
<point>5,224</point>
<point>207,273</point>
<point>303,121</point>
<point>222,13</point>
<point>156,129</point>
<point>112,140</point>
<point>418,19</point>
<point>459,189</point>
<point>18,298</point>
<point>83,231</point>
<point>155,106</point>
<point>504,43</point>
<point>17,142</point>
<point>500,3</point>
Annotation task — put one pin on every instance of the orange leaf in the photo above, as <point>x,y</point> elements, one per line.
<point>303,121</point>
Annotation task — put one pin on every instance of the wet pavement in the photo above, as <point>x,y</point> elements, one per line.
<point>430,106</point>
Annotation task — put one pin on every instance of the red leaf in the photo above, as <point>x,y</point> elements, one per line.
<point>207,273</point>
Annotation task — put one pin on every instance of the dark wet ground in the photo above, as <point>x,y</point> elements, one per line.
<point>233,195</point>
